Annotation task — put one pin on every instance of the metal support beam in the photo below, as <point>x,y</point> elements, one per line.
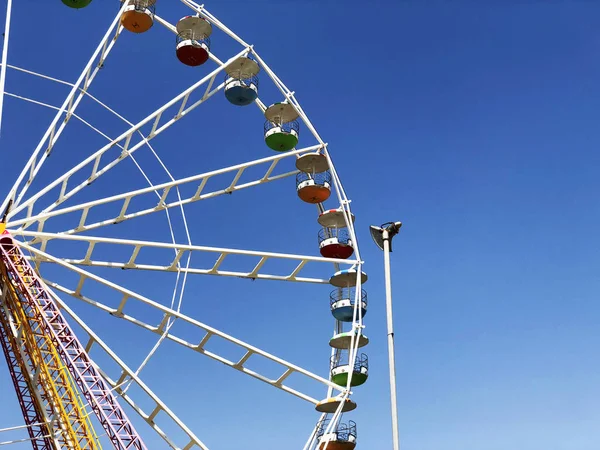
<point>103,402</point>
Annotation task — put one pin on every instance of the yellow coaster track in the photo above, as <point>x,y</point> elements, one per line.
<point>72,427</point>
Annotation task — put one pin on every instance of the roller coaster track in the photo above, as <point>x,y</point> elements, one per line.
<point>50,335</point>
<point>59,395</point>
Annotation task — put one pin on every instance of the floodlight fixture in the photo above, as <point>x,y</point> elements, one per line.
<point>379,233</point>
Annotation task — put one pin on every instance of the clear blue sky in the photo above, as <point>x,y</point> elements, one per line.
<point>472,122</point>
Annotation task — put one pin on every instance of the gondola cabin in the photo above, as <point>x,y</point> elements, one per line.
<point>313,181</point>
<point>281,128</point>
<point>193,40</point>
<point>341,369</point>
<point>138,16</point>
<point>241,81</point>
<point>334,238</point>
<point>335,243</point>
<point>330,441</point>
<point>342,301</point>
<point>341,437</point>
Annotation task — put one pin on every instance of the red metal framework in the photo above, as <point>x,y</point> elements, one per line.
<point>30,407</point>
<point>96,391</point>
<point>57,392</point>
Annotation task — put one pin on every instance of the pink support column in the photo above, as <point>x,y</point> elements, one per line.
<point>94,388</point>
<point>37,430</point>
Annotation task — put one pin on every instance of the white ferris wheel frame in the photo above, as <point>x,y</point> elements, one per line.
<point>17,202</point>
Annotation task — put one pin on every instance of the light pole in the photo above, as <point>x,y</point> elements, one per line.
<point>383,238</point>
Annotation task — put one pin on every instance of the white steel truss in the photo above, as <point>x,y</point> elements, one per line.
<point>207,332</point>
<point>160,406</point>
<point>260,258</point>
<point>122,201</point>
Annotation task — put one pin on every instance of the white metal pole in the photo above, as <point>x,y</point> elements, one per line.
<point>4,56</point>
<point>390,328</point>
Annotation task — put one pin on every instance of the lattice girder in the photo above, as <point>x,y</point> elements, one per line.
<point>28,396</point>
<point>89,243</point>
<point>113,419</point>
<point>207,332</point>
<point>122,202</point>
<point>61,398</point>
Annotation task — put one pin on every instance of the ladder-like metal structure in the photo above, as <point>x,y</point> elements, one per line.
<point>46,320</point>
<point>60,398</point>
<point>31,408</point>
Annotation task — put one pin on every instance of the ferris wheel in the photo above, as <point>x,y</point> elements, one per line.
<point>77,228</point>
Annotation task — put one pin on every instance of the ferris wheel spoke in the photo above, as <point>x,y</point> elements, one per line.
<point>180,204</point>
<point>128,374</point>
<point>229,178</point>
<point>93,162</point>
<point>56,108</point>
<point>33,166</point>
<point>110,139</point>
<point>85,92</point>
<point>205,334</point>
<point>257,258</point>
